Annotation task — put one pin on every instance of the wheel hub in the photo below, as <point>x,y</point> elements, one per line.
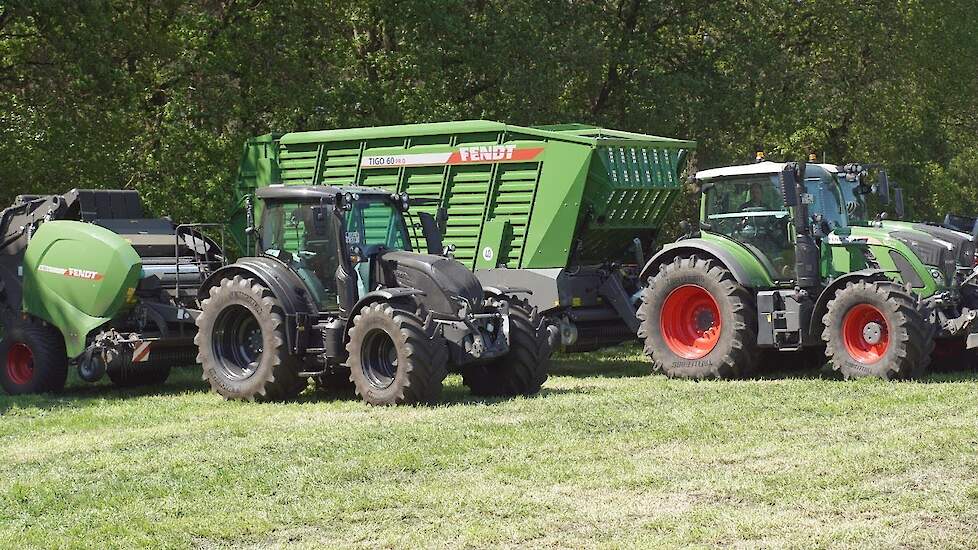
<point>379,359</point>
<point>690,322</point>
<point>873,333</point>
<point>238,342</point>
<point>865,333</point>
<point>704,319</point>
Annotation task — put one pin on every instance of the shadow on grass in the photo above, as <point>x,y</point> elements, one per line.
<point>452,395</point>
<point>620,362</point>
<point>628,361</point>
<point>625,361</point>
<point>78,393</point>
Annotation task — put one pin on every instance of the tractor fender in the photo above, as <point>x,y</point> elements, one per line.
<point>384,295</point>
<point>743,274</point>
<point>504,290</point>
<point>822,304</point>
<point>381,295</point>
<point>297,303</point>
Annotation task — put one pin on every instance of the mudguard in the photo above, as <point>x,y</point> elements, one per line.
<point>298,304</point>
<point>822,304</point>
<point>505,290</point>
<point>381,295</point>
<point>750,274</point>
<point>385,295</point>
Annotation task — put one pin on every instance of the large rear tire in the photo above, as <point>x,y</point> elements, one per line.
<point>392,360</point>
<point>525,368</point>
<point>32,358</point>
<point>697,321</point>
<point>875,329</point>
<point>242,345</point>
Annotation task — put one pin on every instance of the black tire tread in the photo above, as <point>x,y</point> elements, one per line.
<point>742,357</point>
<point>526,367</point>
<point>912,333</point>
<point>421,369</point>
<point>281,381</point>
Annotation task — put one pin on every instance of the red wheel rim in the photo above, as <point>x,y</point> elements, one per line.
<point>866,334</point>
<point>690,322</point>
<point>20,364</point>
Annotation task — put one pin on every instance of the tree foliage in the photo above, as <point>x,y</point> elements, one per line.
<point>159,95</point>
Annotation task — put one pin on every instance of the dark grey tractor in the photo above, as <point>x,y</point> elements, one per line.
<point>336,293</point>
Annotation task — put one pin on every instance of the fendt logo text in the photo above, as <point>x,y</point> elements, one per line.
<point>464,155</point>
<point>495,152</point>
<point>71,272</point>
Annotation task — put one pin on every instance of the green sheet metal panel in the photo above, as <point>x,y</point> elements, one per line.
<point>552,190</point>
<point>78,276</point>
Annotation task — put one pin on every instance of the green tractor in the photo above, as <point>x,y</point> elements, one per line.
<point>337,294</point>
<point>956,233</point>
<point>778,266</point>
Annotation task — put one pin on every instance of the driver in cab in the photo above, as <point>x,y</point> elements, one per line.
<point>756,197</point>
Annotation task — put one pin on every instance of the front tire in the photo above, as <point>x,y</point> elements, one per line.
<point>874,329</point>
<point>392,360</point>
<point>697,321</point>
<point>525,368</point>
<point>33,358</point>
<point>242,346</point>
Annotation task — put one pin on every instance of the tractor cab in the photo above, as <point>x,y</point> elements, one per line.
<point>746,204</point>
<point>332,237</point>
<point>854,181</point>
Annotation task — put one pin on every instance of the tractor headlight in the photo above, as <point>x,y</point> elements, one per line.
<point>936,274</point>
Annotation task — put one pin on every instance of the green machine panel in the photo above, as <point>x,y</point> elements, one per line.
<point>78,276</point>
<point>519,197</point>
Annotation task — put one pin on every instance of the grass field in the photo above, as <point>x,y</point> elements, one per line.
<point>606,456</point>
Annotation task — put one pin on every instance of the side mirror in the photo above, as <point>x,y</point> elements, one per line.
<point>883,187</point>
<point>789,185</point>
<point>898,206</point>
<point>432,236</point>
<point>441,218</point>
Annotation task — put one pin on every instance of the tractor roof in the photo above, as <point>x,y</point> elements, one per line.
<point>759,168</point>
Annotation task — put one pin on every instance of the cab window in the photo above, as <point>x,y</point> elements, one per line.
<point>371,223</point>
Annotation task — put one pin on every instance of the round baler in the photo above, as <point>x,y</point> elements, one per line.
<point>86,280</point>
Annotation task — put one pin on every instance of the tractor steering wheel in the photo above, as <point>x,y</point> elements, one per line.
<point>755,227</point>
